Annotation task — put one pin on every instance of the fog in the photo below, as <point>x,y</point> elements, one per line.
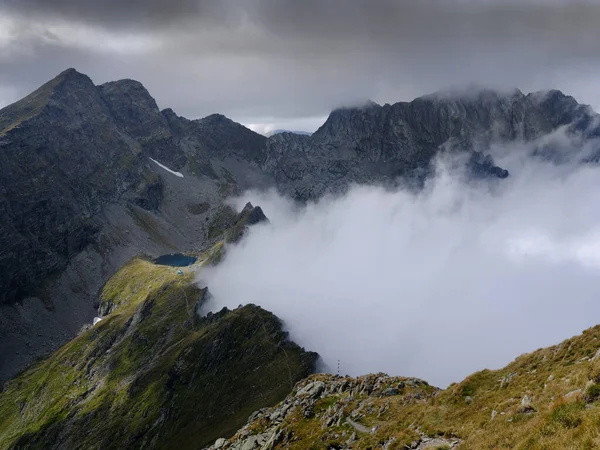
<point>462,276</point>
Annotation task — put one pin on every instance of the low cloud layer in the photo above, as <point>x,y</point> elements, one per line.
<point>278,63</point>
<point>437,285</point>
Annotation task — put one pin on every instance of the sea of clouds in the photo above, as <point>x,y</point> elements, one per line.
<point>461,276</point>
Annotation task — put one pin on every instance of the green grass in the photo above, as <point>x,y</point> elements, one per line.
<point>568,415</point>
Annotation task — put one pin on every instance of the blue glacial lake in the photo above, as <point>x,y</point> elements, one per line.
<point>175,260</point>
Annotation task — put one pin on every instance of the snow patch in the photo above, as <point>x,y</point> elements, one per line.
<point>177,174</point>
<point>96,320</point>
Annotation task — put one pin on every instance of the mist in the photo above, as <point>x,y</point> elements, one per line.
<point>462,276</point>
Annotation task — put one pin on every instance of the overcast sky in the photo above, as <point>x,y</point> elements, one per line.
<point>287,63</point>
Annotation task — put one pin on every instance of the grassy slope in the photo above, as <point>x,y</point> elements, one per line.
<point>152,374</point>
<point>485,411</point>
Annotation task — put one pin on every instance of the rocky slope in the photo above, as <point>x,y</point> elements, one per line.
<point>84,184</point>
<point>548,399</point>
<point>81,195</point>
<point>71,148</point>
<point>52,188</point>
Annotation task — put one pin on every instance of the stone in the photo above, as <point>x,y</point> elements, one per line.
<point>312,390</point>
<point>572,393</point>
<point>390,392</point>
<point>219,443</point>
<point>591,392</point>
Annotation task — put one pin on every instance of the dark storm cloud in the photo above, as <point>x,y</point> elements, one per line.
<point>131,13</point>
<point>259,60</point>
<point>382,21</point>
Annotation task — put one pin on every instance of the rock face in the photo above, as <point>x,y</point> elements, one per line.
<point>52,188</point>
<point>80,193</point>
<point>381,143</point>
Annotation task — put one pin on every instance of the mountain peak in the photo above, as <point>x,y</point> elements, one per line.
<point>358,106</point>
<point>70,73</point>
<point>216,118</point>
<point>15,114</point>
<point>125,84</point>
<point>70,78</point>
<point>133,106</point>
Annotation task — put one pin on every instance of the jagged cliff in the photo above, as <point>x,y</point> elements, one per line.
<point>374,143</point>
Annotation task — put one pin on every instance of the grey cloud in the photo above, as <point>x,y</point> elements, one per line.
<point>118,13</point>
<point>258,59</point>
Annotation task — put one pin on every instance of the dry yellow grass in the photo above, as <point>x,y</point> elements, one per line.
<point>548,399</point>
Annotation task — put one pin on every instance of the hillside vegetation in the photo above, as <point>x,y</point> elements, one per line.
<point>153,373</point>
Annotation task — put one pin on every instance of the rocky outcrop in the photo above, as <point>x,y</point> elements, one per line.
<point>334,406</point>
<point>250,215</point>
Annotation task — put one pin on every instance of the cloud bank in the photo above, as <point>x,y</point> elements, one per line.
<point>269,62</point>
<point>460,277</point>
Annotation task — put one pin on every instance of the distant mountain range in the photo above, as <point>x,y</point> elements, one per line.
<point>305,133</point>
<point>96,180</point>
<point>84,184</point>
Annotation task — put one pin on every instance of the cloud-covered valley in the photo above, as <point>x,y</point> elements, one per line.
<point>463,275</point>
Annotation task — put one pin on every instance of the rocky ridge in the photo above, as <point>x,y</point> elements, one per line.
<point>151,372</point>
<point>548,399</point>
<point>313,398</point>
<point>380,144</point>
